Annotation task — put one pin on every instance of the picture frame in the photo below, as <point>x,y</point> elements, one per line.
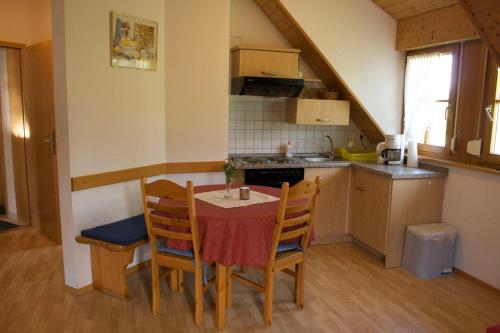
<point>133,42</point>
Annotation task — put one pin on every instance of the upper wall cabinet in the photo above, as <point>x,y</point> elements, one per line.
<point>247,60</point>
<point>317,112</point>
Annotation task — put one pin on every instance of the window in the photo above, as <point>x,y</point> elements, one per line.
<point>495,130</point>
<point>430,93</point>
<point>491,143</point>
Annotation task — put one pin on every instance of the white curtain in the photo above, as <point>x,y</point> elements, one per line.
<point>425,82</point>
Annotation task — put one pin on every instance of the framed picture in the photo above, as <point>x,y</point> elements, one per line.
<point>133,42</point>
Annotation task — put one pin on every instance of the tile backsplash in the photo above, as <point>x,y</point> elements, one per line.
<point>258,126</point>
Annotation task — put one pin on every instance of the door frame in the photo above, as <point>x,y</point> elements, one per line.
<point>21,48</point>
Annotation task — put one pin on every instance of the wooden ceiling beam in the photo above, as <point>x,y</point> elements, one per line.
<point>320,65</point>
<point>485,17</point>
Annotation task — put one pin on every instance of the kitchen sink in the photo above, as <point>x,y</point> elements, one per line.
<point>319,159</point>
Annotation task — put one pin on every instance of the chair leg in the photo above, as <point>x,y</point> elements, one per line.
<point>268,299</point>
<point>155,286</point>
<point>180,280</point>
<point>198,295</point>
<point>172,279</point>
<point>299,284</point>
<point>229,289</point>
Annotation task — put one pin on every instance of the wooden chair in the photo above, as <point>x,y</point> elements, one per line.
<point>175,220</point>
<point>295,215</point>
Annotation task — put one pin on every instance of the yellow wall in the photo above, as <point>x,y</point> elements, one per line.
<point>25,21</point>
<point>196,94</point>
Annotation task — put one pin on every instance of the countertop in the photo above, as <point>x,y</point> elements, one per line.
<point>391,171</point>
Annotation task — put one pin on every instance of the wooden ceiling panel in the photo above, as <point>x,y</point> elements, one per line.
<point>485,16</point>
<point>401,9</point>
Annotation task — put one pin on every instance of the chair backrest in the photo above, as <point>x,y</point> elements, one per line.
<point>295,214</point>
<point>171,214</point>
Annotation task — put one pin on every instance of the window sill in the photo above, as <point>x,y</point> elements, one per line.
<point>427,159</point>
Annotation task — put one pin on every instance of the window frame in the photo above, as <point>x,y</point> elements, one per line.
<point>489,99</point>
<point>454,49</point>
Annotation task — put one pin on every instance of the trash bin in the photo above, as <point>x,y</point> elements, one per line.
<point>429,249</point>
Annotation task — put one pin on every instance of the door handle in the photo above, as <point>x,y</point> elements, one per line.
<point>323,120</point>
<point>51,140</point>
<point>489,112</point>
<point>271,73</point>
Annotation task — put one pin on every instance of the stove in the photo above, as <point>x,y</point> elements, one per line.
<point>266,160</point>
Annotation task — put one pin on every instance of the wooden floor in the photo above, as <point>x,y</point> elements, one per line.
<point>347,290</point>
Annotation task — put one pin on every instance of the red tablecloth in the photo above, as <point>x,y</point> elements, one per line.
<point>241,235</point>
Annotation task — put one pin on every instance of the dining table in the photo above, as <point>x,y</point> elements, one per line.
<point>233,236</point>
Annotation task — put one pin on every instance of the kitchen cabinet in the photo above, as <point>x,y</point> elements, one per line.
<point>258,61</point>
<point>303,111</point>
<point>382,207</point>
<point>331,223</point>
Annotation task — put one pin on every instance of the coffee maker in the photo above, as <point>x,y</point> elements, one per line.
<point>392,150</point>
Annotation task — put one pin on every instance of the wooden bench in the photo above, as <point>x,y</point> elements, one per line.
<point>112,248</point>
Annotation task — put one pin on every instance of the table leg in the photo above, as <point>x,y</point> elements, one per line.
<point>229,291</point>
<point>221,286</point>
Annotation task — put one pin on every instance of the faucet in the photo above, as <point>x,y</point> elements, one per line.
<point>331,153</point>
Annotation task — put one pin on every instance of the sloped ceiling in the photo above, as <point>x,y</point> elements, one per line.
<point>485,16</point>
<point>401,9</point>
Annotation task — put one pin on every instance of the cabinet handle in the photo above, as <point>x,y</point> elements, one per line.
<point>269,73</point>
<point>360,189</point>
<point>323,120</point>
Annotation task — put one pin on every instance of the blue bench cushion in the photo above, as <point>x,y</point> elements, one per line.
<point>282,247</point>
<point>124,232</point>
<point>162,247</point>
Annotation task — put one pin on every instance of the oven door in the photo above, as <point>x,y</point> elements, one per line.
<point>273,177</point>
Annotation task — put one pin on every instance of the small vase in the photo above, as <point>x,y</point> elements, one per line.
<point>228,194</point>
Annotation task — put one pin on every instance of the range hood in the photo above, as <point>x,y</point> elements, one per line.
<point>266,86</point>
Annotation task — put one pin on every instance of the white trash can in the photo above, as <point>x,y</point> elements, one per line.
<point>429,249</point>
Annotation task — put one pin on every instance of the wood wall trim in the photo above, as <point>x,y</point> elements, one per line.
<point>319,64</point>
<point>125,175</point>
<point>476,281</point>
<point>441,26</point>
<point>11,45</point>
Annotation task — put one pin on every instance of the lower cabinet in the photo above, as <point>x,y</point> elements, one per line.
<point>381,208</point>
<point>331,222</point>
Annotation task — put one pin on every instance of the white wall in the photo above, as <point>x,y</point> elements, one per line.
<point>196,95</point>
<point>472,205</point>
<point>358,38</point>
<point>113,118</point>
<point>106,119</point>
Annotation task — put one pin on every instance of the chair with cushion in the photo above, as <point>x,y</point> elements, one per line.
<point>290,242</point>
<point>172,220</point>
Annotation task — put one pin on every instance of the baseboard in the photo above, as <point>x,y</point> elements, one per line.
<point>79,291</point>
<point>369,249</point>
<point>332,239</point>
<point>476,281</point>
<point>139,266</point>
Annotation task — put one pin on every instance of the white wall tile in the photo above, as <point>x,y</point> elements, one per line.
<point>259,127</point>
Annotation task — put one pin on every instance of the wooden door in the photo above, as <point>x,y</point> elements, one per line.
<point>40,146</point>
<point>330,224</point>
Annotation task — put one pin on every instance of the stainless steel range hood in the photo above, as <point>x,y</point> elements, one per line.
<point>266,86</point>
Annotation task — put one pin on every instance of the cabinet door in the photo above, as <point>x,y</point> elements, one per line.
<point>330,223</point>
<point>414,201</point>
<point>265,64</point>
<point>317,112</point>
<point>369,208</point>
